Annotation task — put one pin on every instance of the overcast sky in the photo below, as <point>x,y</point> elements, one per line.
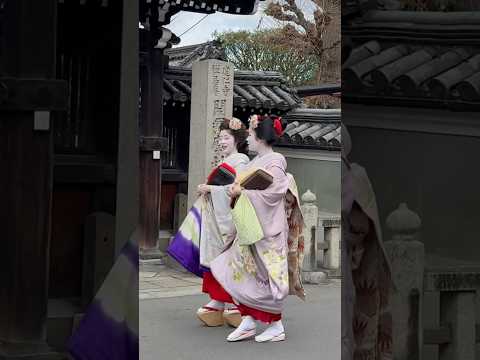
<point>221,22</point>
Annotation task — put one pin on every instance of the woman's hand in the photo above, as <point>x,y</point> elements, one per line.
<point>234,190</point>
<point>203,189</point>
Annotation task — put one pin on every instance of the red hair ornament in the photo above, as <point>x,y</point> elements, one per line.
<point>277,125</point>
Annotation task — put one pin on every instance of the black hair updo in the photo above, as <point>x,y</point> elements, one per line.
<point>240,135</point>
<point>266,130</point>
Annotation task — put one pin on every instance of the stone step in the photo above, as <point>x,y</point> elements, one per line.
<point>331,273</point>
<point>60,322</point>
<point>164,237</point>
<point>151,254</point>
<point>314,277</point>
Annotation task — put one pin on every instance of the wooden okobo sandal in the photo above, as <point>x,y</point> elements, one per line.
<point>210,316</point>
<point>232,317</point>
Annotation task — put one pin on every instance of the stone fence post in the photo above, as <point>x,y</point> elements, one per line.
<point>330,226</point>
<point>310,271</point>
<point>310,214</point>
<point>406,255</point>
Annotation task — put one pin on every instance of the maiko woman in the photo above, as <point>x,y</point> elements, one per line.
<point>256,276</point>
<point>208,228</point>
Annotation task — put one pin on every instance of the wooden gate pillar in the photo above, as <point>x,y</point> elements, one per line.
<point>151,145</point>
<point>29,95</point>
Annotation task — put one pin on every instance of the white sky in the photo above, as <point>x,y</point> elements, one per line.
<point>222,22</point>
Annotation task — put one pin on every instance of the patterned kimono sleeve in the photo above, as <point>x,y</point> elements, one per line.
<point>221,201</point>
<point>276,191</point>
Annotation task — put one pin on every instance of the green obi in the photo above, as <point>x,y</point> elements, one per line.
<point>249,230</point>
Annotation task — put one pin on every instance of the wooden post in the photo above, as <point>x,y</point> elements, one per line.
<point>127,204</point>
<point>26,160</point>
<point>151,145</point>
<point>406,255</point>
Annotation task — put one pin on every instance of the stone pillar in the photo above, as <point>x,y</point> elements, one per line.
<point>406,254</point>
<point>457,309</point>
<point>180,211</point>
<point>212,100</point>
<point>332,238</point>
<point>310,213</point>
<point>99,245</point>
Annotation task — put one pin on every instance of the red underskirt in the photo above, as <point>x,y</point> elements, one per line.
<point>212,287</point>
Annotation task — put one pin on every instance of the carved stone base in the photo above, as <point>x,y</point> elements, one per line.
<point>28,351</point>
<point>151,254</point>
<point>314,277</point>
<point>331,273</point>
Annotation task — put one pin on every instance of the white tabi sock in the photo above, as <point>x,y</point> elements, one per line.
<point>275,329</point>
<point>247,323</point>
<point>245,330</point>
<point>216,304</point>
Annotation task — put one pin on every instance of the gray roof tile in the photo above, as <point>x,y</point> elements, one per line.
<point>313,128</point>
<point>253,89</point>
<point>419,58</point>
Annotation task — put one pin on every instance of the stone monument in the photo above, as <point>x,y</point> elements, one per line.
<point>212,100</point>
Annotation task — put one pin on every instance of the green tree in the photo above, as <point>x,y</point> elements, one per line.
<point>255,50</point>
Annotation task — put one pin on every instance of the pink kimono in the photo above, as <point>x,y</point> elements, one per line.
<point>256,276</point>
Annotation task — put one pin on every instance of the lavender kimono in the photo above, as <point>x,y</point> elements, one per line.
<point>257,275</point>
<point>109,329</point>
<point>207,227</point>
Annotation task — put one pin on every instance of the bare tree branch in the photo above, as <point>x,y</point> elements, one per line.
<point>320,37</point>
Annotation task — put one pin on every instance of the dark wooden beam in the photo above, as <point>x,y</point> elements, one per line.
<point>152,143</point>
<point>32,94</point>
<point>235,7</point>
<point>174,175</point>
<point>75,169</point>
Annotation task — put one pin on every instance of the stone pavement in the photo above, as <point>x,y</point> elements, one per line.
<point>169,329</point>
<point>157,280</point>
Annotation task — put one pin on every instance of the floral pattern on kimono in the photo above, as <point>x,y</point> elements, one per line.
<point>296,240</point>
<point>217,225</point>
<point>367,277</point>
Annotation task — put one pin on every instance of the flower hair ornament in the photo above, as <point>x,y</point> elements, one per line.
<point>277,125</point>
<point>253,121</point>
<point>235,124</point>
